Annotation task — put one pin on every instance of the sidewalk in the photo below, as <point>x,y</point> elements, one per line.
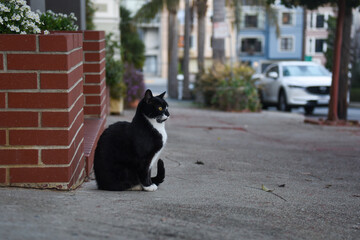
<point>216,164</point>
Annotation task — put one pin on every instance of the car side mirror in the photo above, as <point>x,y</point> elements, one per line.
<point>273,75</point>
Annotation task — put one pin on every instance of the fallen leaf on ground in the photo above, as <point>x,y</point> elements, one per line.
<point>265,188</point>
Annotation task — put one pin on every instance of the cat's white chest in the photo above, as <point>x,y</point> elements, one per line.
<point>160,127</point>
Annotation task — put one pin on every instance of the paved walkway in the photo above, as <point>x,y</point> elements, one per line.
<point>216,164</point>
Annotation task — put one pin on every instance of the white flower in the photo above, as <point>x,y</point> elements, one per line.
<point>37,30</point>
<point>22,32</point>
<point>17,29</point>
<point>12,28</point>
<point>6,19</point>
<point>46,32</point>
<point>1,20</point>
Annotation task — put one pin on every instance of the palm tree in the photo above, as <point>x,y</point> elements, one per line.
<point>201,7</point>
<point>186,91</point>
<point>218,44</point>
<point>149,11</point>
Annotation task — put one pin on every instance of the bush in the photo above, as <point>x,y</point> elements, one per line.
<point>58,21</point>
<point>229,91</point>
<point>134,81</point>
<point>114,70</point>
<point>17,18</point>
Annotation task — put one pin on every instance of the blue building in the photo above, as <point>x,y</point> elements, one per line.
<point>258,42</point>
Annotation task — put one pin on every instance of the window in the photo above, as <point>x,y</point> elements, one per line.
<point>320,21</point>
<point>319,45</point>
<point>251,21</point>
<point>273,69</point>
<point>286,18</point>
<point>286,44</point>
<point>251,45</point>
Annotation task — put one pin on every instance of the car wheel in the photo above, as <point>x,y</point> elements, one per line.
<point>309,110</point>
<point>282,102</point>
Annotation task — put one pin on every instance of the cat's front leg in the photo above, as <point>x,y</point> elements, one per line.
<point>145,180</point>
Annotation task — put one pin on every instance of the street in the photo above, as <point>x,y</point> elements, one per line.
<point>159,85</point>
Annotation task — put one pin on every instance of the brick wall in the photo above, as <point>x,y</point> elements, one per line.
<point>94,74</point>
<point>41,110</point>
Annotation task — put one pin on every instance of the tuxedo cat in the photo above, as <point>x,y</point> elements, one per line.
<point>126,152</point>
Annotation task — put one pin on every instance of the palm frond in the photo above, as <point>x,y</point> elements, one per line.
<point>149,10</point>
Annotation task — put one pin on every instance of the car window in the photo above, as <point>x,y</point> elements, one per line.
<point>303,70</point>
<point>273,69</point>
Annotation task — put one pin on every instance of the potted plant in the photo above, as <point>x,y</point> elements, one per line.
<point>114,77</point>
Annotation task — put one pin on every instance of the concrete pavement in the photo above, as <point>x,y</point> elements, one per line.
<point>216,164</point>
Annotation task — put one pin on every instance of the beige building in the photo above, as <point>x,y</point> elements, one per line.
<point>317,33</point>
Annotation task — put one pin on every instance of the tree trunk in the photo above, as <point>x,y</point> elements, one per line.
<point>186,91</point>
<point>173,55</point>
<point>218,44</point>
<point>201,6</point>
<point>344,67</point>
<point>333,115</point>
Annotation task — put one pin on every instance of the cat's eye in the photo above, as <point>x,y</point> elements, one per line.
<point>160,108</point>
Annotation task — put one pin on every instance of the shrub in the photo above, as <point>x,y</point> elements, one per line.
<point>58,21</point>
<point>114,70</point>
<point>230,90</point>
<point>134,80</point>
<point>17,18</point>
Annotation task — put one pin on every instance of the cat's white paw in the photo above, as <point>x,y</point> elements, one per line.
<point>150,188</point>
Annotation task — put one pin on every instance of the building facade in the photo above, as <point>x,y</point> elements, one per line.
<point>259,41</point>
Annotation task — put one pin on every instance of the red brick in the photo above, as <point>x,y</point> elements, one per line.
<point>60,80</point>
<point>2,137</point>
<point>93,99</point>
<point>2,175</point>
<point>2,100</point>
<point>39,137</point>
<point>62,119</point>
<point>38,62</point>
<point>94,35</point>
<point>58,42</point>
<point>62,156</point>
<point>18,81</point>
<point>79,175</point>
<point>1,61</point>
<point>39,174</point>
<point>37,100</point>
<point>94,67</point>
<point>18,156</point>
<point>76,126</point>
<point>19,119</point>
<point>75,57</point>
<point>94,78</point>
<point>94,57</point>
<point>75,93</point>
<point>93,89</point>
<point>94,46</point>
<point>92,110</point>
<point>13,42</point>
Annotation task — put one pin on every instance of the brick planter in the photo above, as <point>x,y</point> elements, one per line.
<point>41,111</point>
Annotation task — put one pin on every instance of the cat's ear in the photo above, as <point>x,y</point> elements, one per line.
<point>148,95</point>
<point>162,95</point>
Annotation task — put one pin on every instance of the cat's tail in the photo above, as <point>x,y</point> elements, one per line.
<point>160,173</point>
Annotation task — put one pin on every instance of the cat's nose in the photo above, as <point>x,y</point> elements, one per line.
<point>167,113</point>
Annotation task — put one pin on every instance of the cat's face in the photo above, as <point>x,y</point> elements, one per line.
<point>155,107</point>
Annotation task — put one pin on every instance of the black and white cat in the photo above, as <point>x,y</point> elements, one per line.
<point>126,152</point>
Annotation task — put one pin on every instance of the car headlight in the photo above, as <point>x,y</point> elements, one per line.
<point>296,86</point>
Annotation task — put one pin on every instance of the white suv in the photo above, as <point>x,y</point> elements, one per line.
<point>295,84</point>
